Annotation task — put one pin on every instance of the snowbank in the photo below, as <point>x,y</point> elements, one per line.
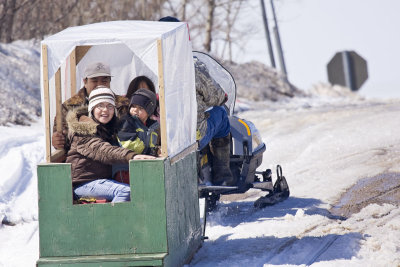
<point>19,82</point>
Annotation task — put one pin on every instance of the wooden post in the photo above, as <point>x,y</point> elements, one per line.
<point>75,57</point>
<point>80,52</point>
<point>46,99</point>
<point>72,70</point>
<point>58,101</point>
<point>59,154</point>
<point>161,94</point>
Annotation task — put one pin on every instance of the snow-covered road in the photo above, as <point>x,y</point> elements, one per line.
<point>325,148</point>
<point>324,151</point>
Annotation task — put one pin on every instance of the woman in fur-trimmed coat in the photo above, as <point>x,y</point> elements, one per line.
<point>93,148</point>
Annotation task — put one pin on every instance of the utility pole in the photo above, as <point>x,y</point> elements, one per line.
<point>270,50</point>
<point>278,41</point>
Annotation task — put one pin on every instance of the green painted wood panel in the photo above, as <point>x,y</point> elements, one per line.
<point>138,226</point>
<point>162,218</point>
<point>108,260</point>
<point>182,205</point>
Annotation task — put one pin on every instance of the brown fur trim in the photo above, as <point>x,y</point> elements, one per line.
<point>84,127</point>
<point>78,99</point>
<point>121,101</point>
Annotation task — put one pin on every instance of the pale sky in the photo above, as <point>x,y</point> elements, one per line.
<point>312,31</point>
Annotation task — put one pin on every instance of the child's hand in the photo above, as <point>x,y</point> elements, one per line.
<point>141,156</point>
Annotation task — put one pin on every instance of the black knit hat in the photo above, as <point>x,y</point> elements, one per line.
<point>169,19</point>
<point>146,99</point>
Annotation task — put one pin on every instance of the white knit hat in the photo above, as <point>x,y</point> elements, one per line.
<point>100,94</point>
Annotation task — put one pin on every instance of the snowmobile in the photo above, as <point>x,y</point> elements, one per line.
<point>246,153</point>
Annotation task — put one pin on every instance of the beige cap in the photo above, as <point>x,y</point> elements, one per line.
<point>97,69</point>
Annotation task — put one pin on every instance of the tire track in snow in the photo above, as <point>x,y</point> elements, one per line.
<point>14,142</point>
<point>330,239</point>
<point>327,244</point>
<point>312,256</point>
<point>382,188</point>
<point>18,179</point>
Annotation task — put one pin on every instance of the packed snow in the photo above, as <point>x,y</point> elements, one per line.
<point>328,145</point>
<point>324,150</point>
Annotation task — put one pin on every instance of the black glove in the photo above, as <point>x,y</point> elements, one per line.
<point>225,99</point>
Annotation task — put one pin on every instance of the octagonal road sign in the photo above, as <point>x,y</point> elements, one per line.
<point>347,68</point>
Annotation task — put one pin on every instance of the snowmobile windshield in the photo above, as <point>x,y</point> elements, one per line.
<point>221,76</point>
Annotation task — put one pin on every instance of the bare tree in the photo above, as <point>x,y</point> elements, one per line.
<point>7,17</point>
<point>183,12</point>
<point>194,12</point>
<point>214,24</point>
<point>209,24</point>
<point>232,10</point>
<point>26,19</point>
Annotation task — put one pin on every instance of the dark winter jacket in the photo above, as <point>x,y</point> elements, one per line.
<point>80,99</point>
<point>208,94</point>
<point>90,154</point>
<point>140,138</point>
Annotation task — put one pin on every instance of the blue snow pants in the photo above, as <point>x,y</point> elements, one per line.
<point>217,126</point>
<point>103,188</point>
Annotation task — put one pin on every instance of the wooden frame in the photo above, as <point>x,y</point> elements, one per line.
<point>58,155</point>
<point>76,55</point>
<point>161,222</point>
<point>72,71</point>
<point>46,102</point>
<point>161,94</point>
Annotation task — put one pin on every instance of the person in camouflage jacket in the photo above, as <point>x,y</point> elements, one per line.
<point>212,123</point>
<point>208,94</point>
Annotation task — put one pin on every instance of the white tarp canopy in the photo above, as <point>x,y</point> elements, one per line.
<point>131,49</point>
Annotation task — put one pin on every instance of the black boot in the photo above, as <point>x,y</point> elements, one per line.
<point>220,149</point>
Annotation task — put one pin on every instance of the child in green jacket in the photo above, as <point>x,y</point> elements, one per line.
<point>138,132</point>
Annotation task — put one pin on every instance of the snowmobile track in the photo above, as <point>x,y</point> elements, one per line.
<point>322,250</point>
